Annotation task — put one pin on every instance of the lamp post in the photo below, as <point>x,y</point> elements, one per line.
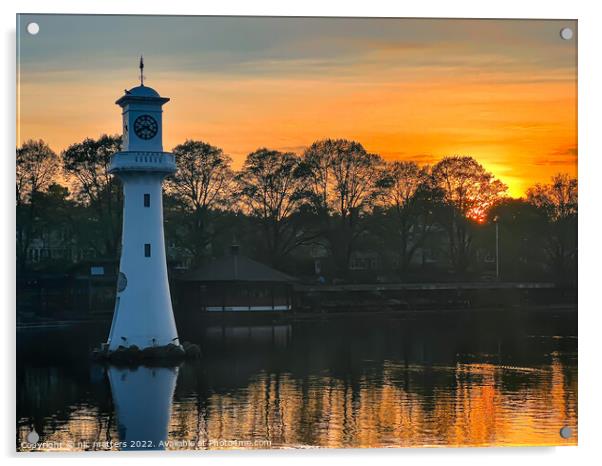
<point>497,247</point>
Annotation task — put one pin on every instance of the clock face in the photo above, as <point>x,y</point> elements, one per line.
<point>145,127</point>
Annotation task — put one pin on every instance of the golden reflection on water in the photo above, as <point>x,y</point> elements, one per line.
<point>324,412</point>
<point>387,409</point>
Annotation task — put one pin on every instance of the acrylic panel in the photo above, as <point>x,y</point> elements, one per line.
<point>280,232</point>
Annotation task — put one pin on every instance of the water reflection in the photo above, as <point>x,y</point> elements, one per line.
<point>332,383</point>
<point>142,397</point>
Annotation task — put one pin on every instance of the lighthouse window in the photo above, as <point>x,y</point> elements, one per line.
<point>147,250</point>
<point>147,200</point>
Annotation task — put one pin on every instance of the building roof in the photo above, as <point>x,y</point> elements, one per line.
<point>234,268</point>
<point>141,94</point>
<point>143,91</point>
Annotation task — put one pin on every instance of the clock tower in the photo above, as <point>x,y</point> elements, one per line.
<point>143,313</point>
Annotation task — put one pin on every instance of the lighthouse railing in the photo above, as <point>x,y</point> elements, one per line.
<point>140,160</point>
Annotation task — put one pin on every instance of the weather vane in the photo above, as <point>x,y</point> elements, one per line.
<point>141,71</point>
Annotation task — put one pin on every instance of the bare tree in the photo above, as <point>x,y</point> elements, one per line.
<point>558,202</point>
<point>87,165</point>
<point>407,190</point>
<point>36,167</point>
<point>270,190</point>
<point>558,199</point>
<point>203,182</point>
<point>341,183</point>
<point>469,191</point>
<point>204,176</point>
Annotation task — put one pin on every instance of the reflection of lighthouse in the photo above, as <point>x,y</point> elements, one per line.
<point>143,397</point>
<point>143,312</point>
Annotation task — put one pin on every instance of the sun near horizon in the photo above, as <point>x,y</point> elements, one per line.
<point>501,91</point>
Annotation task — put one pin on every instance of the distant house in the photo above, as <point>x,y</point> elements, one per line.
<point>235,283</point>
<point>55,245</point>
<point>364,260</point>
<point>85,288</point>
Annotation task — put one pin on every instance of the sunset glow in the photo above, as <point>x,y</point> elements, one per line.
<point>275,409</point>
<point>503,92</point>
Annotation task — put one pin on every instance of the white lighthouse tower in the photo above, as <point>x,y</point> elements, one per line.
<point>143,313</point>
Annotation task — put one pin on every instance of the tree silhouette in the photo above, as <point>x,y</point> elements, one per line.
<point>270,190</point>
<point>521,229</point>
<point>87,164</point>
<point>36,167</point>
<point>558,199</point>
<point>558,203</point>
<point>407,191</point>
<point>55,223</point>
<point>469,191</point>
<point>202,183</point>
<point>341,184</point>
<point>336,194</point>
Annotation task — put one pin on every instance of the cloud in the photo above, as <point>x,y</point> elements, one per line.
<point>561,157</point>
<point>412,89</point>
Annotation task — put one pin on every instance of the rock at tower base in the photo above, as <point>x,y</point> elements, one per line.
<point>133,354</point>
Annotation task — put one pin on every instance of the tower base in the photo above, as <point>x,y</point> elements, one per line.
<point>134,355</point>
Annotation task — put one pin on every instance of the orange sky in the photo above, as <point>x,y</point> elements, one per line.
<point>503,92</point>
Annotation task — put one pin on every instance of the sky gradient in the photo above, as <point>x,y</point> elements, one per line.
<point>502,91</point>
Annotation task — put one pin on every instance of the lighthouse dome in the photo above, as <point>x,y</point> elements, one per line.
<point>143,91</point>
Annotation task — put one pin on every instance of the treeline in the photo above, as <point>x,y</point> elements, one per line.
<point>335,197</point>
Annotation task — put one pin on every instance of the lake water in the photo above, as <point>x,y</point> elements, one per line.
<point>435,379</point>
